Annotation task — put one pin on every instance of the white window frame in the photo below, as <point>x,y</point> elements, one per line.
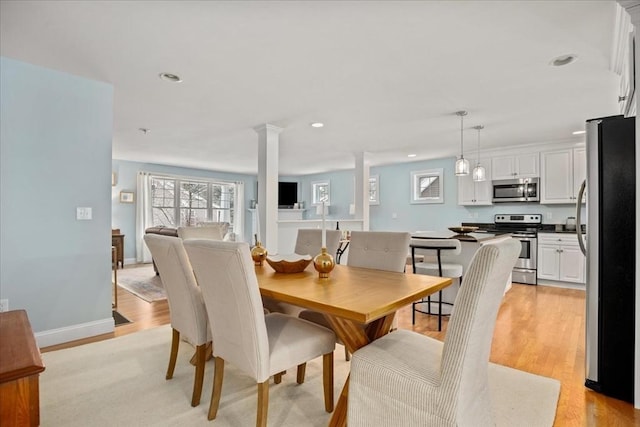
<point>316,187</point>
<point>374,181</point>
<point>233,210</point>
<point>417,178</point>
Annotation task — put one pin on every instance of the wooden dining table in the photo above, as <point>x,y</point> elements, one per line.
<point>359,303</point>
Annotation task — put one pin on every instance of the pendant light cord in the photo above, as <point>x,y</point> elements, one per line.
<point>461,135</point>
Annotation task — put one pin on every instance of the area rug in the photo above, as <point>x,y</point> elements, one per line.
<point>119,319</point>
<point>121,381</point>
<point>142,282</point>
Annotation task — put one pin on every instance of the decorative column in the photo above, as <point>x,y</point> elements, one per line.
<point>633,7</point>
<point>268,152</point>
<point>362,188</point>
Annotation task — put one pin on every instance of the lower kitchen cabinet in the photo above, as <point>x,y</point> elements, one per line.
<point>560,258</point>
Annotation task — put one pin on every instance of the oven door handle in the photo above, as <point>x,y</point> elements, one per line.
<point>523,237</point>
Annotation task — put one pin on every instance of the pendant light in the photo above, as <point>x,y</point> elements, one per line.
<point>479,172</point>
<point>462,164</point>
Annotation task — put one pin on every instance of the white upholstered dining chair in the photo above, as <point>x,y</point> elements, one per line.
<point>186,305</point>
<point>379,250</point>
<point>409,379</point>
<point>261,346</point>
<point>432,251</point>
<point>309,241</point>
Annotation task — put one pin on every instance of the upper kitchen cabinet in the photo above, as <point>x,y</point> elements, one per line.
<point>516,166</point>
<point>474,193</point>
<point>562,174</point>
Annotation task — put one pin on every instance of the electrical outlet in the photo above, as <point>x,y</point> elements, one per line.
<point>4,305</point>
<point>84,213</point>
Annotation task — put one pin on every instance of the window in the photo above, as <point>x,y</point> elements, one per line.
<point>426,186</point>
<point>320,191</point>
<point>374,192</point>
<point>193,202</point>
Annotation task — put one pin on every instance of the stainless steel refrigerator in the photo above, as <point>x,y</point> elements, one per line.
<point>610,251</point>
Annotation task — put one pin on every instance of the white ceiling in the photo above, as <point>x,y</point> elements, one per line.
<point>386,77</point>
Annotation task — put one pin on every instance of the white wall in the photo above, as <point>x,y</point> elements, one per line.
<point>55,139</point>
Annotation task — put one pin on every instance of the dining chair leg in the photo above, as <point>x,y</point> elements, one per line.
<point>439,310</point>
<point>347,355</point>
<point>175,342</point>
<point>201,357</point>
<point>327,381</point>
<point>301,371</point>
<point>277,378</point>
<point>263,404</point>
<point>218,375</point>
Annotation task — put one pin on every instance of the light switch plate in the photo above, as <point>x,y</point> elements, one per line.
<point>83,213</point>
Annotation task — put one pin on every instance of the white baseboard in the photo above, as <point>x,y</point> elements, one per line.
<point>75,332</point>
<point>566,285</point>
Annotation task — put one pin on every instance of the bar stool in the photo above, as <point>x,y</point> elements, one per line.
<point>434,247</point>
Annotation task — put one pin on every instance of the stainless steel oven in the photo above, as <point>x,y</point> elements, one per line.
<point>526,268</point>
<point>516,190</point>
<point>524,228</point>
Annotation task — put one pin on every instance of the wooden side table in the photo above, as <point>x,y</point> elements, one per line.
<point>117,240</point>
<point>20,367</point>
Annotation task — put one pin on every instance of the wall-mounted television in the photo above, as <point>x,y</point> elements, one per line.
<point>287,194</point>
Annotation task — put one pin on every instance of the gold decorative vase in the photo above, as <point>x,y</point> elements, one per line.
<point>324,263</point>
<point>258,253</point>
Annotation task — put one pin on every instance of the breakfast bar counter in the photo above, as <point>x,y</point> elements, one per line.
<point>479,237</point>
<point>470,243</point>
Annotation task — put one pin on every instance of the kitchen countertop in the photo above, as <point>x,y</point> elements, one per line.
<point>551,228</point>
<point>544,228</point>
<point>479,236</point>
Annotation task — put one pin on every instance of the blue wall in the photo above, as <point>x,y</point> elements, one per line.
<point>124,214</point>
<point>395,196</point>
<point>55,139</point>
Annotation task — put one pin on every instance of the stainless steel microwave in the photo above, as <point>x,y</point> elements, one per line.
<point>516,190</point>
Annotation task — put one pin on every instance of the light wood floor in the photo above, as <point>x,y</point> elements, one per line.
<point>539,329</point>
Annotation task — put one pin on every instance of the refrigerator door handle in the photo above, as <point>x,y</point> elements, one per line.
<point>579,218</point>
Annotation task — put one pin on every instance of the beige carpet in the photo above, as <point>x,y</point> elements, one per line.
<point>142,282</point>
<point>120,382</point>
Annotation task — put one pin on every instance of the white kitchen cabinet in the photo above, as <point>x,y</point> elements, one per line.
<point>560,258</point>
<point>472,193</point>
<point>562,174</point>
<point>516,166</point>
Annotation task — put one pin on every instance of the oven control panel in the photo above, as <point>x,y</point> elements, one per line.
<point>517,219</point>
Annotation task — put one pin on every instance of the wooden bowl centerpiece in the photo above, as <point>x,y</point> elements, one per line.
<point>292,263</point>
<point>464,229</point>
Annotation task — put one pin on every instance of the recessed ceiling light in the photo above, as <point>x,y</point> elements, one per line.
<point>144,130</point>
<point>579,132</point>
<point>173,78</point>
<point>411,155</point>
<point>561,60</point>
<point>317,125</point>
